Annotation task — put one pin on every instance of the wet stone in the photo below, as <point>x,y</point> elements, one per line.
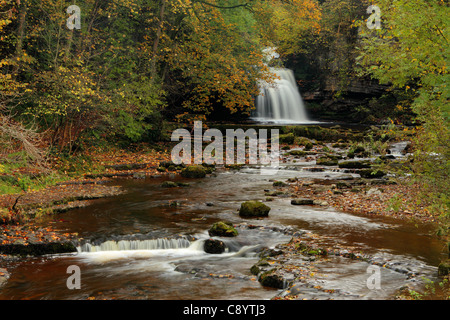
<point>302,201</point>
<point>214,246</point>
<point>254,209</point>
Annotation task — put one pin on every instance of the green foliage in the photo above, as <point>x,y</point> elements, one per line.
<point>410,52</point>
<point>138,117</point>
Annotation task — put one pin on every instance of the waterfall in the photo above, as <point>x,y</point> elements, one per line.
<point>280,101</point>
<point>151,244</point>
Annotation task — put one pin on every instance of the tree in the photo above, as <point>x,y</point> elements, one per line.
<point>219,58</point>
<point>410,52</point>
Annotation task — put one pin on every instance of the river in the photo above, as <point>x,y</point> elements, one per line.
<point>147,244</point>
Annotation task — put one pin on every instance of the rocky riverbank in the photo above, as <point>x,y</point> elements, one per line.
<point>300,266</point>
<point>369,184</point>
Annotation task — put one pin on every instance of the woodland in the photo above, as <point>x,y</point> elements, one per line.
<point>77,101</point>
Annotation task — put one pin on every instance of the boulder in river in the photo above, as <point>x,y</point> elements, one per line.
<point>355,164</point>
<point>169,184</point>
<point>214,246</point>
<point>371,174</point>
<point>444,268</point>
<point>302,201</point>
<point>272,279</point>
<point>254,209</point>
<point>326,161</point>
<point>223,229</point>
<point>194,171</point>
<point>279,184</point>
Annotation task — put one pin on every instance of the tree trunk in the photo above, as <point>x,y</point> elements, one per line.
<point>23,8</point>
<point>156,41</point>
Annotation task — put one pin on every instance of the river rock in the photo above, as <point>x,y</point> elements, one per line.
<point>444,268</point>
<point>326,161</point>
<point>287,138</point>
<point>371,174</point>
<point>302,201</point>
<point>320,203</point>
<point>254,209</point>
<point>272,279</point>
<point>223,229</point>
<point>139,175</point>
<point>214,246</point>
<point>355,164</point>
<point>194,171</point>
<point>279,184</point>
<point>169,184</point>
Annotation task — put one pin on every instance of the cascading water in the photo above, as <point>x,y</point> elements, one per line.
<point>280,101</point>
<point>151,244</point>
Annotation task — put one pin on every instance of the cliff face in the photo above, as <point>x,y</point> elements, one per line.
<point>350,102</point>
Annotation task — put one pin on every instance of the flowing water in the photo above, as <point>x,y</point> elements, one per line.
<point>148,244</point>
<point>281,101</point>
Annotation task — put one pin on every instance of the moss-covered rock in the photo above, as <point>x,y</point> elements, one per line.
<point>287,138</point>
<point>169,184</point>
<point>299,153</point>
<point>255,270</point>
<point>272,279</point>
<point>193,171</point>
<point>444,268</point>
<point>279,184</point>
<point>371,174</point>
<point>308,146</point>
<point>223,229</point>
<point>302,201</point>
<point>355,164</point>
<point>273,193</point>
<point>254,209</point>
<point>170,165</point>
<point>326,161</point>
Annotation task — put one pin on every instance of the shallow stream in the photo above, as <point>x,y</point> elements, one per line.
<point>147,244</point>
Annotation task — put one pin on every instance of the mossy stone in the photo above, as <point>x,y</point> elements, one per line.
<point>287,138</point>
<point>279,184</point>
<point>355,164</point>
<point>302,201</point>
<point>254,209</point>
<point>169,184</point>
<point>371,174</point>
<point>223,229</point>
<point>326,161</point>
<point>194,171</point>
<point>272,279</point>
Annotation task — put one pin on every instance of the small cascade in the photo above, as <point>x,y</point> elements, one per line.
<point>280,101</point>
<point>150,244</point>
